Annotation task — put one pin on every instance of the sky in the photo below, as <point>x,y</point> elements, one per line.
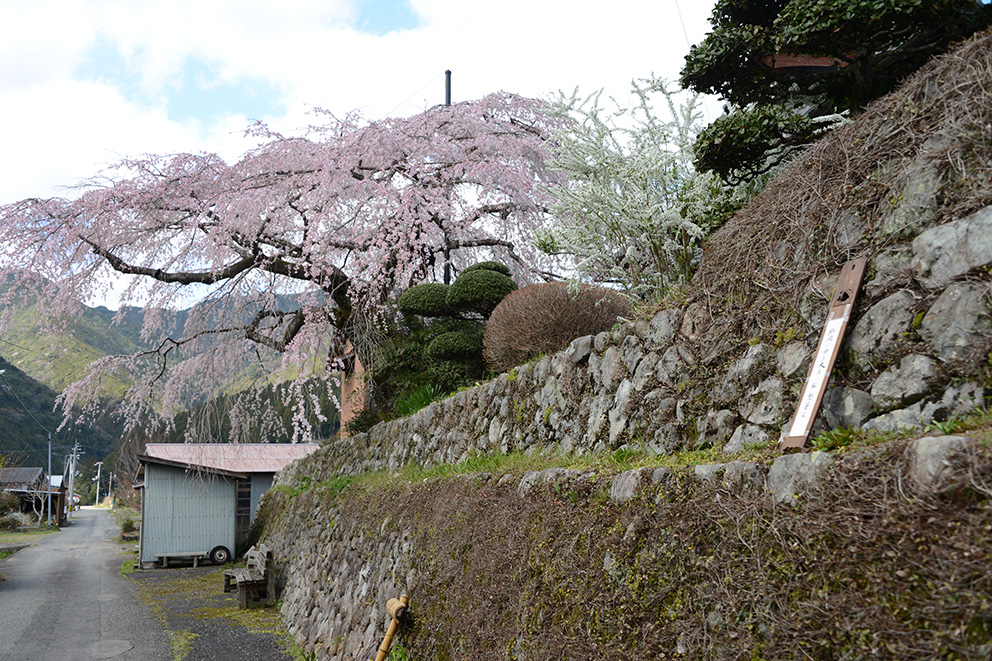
<point>85,83</point>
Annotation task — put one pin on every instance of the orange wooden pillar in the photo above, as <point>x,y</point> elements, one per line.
<point>352,392</point>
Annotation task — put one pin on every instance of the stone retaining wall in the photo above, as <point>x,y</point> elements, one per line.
<point>340,559</point>
<point>914,355</point>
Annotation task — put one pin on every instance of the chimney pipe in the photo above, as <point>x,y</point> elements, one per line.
<point>447,87</point>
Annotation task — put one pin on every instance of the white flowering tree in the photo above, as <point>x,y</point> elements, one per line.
<point>291,251</point>
<point>632,210</point>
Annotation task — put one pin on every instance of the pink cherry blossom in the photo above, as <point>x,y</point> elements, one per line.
<point>285,251</point>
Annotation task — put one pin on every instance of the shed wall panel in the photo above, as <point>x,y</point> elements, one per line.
<point>260,483</point>
<point>185,512</point>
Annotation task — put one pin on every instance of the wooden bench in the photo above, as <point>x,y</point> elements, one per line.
<point>256,582</point>
<point>195,555</point>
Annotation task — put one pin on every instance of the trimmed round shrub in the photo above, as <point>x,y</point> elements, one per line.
<point>545,318</point>
<point>426,300</point>
<point>455,346</point>
<point>479,291</point>
<point>489,266</point>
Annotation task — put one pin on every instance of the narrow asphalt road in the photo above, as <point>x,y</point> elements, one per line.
<point>64,598</point>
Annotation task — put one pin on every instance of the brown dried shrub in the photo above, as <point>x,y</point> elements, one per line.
<point>546,317</point>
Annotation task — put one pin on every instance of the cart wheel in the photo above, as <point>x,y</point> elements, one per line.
<point>220,555</point>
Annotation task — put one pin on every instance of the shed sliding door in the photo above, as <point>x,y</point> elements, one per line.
<point>242,510</point>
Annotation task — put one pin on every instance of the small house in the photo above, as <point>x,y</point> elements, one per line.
<point>198,499</point>
<point>29,485</point>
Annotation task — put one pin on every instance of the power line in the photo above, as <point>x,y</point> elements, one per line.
<point>411,96</point>
<point>679,10</point>
<point>24,408</point>
<point>706,109</point>
<point>17,345</point>
<point>7,392</point>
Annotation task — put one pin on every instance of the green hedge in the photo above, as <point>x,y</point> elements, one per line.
<point>479,291</point>
<point>426,300</point>
<point>455,346</point>
<point>489,266</point>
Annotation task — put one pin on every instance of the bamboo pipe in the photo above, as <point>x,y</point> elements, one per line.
<point>396,608</point>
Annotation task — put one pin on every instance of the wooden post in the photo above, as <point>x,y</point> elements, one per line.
<point>352,393</point>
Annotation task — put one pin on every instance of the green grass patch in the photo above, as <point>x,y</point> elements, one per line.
<point>623,459</point>
<point>978,425</point>
<point>25,536</point>
<point>337,484</point>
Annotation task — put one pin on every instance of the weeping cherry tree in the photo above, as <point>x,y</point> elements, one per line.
<point>292,253</point>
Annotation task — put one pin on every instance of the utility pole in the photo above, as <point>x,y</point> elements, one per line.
<point>72,475</point>
<point>447,250</point>
<point>99,465</point>
<point>50,479</point>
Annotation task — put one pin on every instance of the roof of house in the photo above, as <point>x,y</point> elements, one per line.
<point>229,457</point>
<point>21,478</point>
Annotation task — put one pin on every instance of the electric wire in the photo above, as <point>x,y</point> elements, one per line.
<point>13,344</point>
<point>686,34</point>
<point>410,97</point>
<point>24,408</point>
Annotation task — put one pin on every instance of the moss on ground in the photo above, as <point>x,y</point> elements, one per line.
<point>199,596</point>
<point>181,643</point>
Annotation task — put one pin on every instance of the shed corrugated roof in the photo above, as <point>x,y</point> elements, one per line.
<point>237,458</point>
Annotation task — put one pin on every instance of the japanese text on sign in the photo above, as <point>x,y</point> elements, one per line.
<point>817,377</point>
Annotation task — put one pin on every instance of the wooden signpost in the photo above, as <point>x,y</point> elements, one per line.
<point>848,284</point>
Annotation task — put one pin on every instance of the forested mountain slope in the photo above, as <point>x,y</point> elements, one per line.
<point>27,414</point>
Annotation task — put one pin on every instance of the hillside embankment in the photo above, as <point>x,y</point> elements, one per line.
<point>624,498</point>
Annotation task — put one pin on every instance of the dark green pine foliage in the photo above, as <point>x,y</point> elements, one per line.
<point>437,346</point>
<point>781,64</point>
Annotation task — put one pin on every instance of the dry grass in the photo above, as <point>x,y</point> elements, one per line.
<point>830,204</point>
<point>545,318</point>
<point>864,567</point>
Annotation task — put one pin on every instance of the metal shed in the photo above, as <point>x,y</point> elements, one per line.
<point>198,500</point>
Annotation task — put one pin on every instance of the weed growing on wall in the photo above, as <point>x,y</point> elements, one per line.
<point>862,567</point>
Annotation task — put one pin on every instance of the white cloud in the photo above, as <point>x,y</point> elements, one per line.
<point>76,129</point>
<point>63,128</point>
